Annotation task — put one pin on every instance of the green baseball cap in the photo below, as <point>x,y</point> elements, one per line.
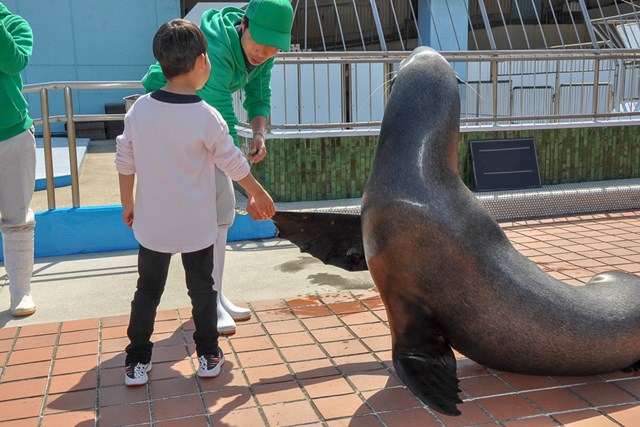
<point>270,22</point>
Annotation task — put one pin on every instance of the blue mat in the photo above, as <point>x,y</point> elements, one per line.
<point>60,155</point>
<point>100,229</point>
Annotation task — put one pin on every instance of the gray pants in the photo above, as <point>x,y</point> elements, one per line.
<point>225,199</point>
<point>17,179</point>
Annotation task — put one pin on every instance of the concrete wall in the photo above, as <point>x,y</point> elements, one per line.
<point>84,40</point>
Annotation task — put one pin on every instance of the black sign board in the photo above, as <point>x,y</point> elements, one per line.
<point>505,164</point>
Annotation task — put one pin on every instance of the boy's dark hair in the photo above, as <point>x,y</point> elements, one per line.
<point>176,45</point>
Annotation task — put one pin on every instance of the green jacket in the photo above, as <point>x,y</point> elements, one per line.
<point>228,70</point>
<point>16,42</point>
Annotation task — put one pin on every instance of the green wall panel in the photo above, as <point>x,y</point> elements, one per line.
<point>338,167</point>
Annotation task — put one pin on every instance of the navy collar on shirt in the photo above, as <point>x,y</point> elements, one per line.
<point>174,98</point>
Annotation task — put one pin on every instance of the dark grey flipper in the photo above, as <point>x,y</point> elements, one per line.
<point>430,373</point>
<point>335,239</point>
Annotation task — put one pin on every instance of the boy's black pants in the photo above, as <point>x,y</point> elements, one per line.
<point>153,268</point>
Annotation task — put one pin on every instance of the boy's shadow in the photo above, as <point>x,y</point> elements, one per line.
<point>173,376</point>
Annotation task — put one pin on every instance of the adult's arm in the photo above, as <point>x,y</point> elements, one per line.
<point>216,93</point>
<point>258,93</point>
<point>16,45</point>
<point>154,79</point>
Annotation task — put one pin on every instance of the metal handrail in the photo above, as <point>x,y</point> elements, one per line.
<point>70,118</point>
<point>626,56</point>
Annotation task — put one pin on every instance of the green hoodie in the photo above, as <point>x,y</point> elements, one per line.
<point>228,70</point>
<point>16,41</point>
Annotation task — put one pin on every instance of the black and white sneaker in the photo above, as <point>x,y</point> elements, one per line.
<point>135,373</point>
<point>210,364</point>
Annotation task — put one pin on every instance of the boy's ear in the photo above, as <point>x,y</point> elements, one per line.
<point>201,61</point>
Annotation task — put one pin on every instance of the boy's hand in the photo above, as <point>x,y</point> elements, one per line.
<point>261,207</point>
<point>127,215</point>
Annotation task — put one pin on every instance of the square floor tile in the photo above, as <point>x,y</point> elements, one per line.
<point>411,417</point>
<point>229,399</point>
<point>177,407</point>
<point>326,386</point>
<point>26,371</point>
<point>79,325</point>
<point>268,394</point>
<point>262,358</point>
<point>21,389</point>
<point>284,327</point>
<point>75,364</point>
<point>344,348</point>
<point>73,418</point>
<point>508,407</point>
<point>486,385</point>
<point>73,382</point>
<point>240,418</point>
<point>72,401</point>
<point>373,380</point>
<point>42,354</point>
<point>39,329</point>
<point>78,336</point>
<point>251,344</point>
<point>302,352</point>
<point>587,418</point>
<point>290,414</point>
<point>268,374</point>
<point>121,394</point>
<point>341,406</point>
<point>135,413</point>
<point>20,408</point>
<point>390,399</point>
<point>172,387</point>
<point>627,415</point>
<point>293,339</point>
<point>601,394</point>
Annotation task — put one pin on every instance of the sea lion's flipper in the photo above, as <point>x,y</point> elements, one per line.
<point>430,373</point>
<point>334,239</point>
<point>633,368</point>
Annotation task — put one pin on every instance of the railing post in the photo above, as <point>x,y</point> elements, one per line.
<point>557,99</point>
<point>494,80</point>
<point>299,67</point>
<point>73,156</point>
<point>48,156</point>
<point>596,79</point>
<point>346,93</point>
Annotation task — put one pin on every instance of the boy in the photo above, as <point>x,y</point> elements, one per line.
<point>242,46</point>
<point>172,141</point>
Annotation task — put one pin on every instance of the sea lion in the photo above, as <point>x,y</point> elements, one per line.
<point>446,272</point>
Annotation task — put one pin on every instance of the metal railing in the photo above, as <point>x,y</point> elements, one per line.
<point>70,118</point>
<point>348,91</point>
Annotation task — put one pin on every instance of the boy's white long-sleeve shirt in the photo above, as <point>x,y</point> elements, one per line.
<point>173,149</point>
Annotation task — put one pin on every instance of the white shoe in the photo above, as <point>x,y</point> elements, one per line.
<point>226,325</point>
<point>237,313</point>
<point>24,307</point>
<point>135,373</point>
<point>18,262</point>
<point>210,365</point>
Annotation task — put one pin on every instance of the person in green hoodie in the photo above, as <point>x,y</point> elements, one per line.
<point>242,47</point>
<point>17,161</point>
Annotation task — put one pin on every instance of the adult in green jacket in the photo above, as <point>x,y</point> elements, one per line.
<point>242,47</point>
<point>17,161</point>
